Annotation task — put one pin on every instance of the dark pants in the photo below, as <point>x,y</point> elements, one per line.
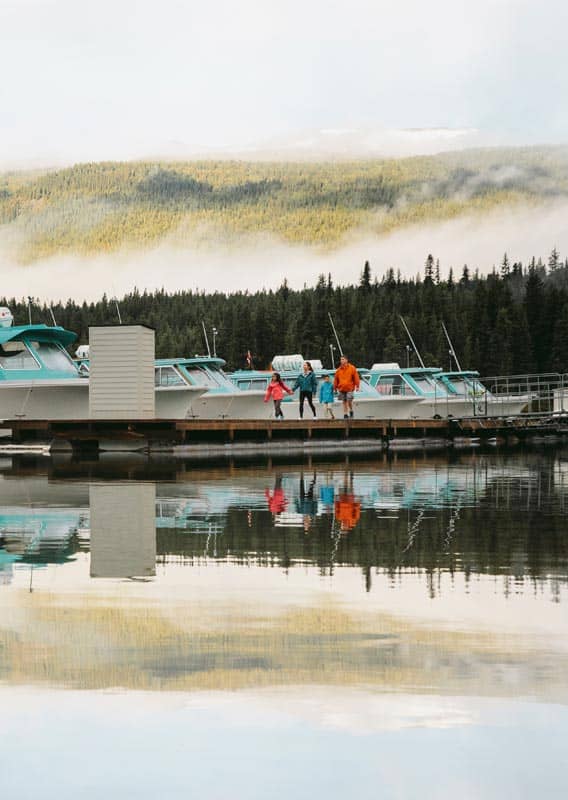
<point>277,409</point>
<point>306,396</point>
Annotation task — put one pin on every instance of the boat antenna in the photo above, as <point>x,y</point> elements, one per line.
<point>335,334</point>
<point>118,311</point>
<point>206,339</point>
<point>412,342</point>
<point>30,301</point>
<point>452,351</point>
<point>52,315</point>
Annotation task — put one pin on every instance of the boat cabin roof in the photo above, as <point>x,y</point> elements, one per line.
<point>389,370</point>
<point>467,373</point>
<point>197,361</point>
<point>46,333</point>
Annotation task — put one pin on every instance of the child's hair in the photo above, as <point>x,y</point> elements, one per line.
<point>277,376</point>
<point>326,377</point>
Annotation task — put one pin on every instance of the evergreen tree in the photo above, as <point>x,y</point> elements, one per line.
<point>554,260</point>
<point>365,282</point>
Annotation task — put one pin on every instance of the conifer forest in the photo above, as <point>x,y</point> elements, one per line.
<point>511,321</point>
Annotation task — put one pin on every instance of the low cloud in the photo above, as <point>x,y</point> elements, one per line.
<point>260,262</point>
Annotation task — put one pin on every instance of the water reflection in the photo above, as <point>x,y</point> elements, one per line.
<point>477,515</point>
<point>406,574</point>
<point>339,605</point>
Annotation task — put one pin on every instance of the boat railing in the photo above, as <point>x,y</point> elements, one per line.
<point>545,393</point>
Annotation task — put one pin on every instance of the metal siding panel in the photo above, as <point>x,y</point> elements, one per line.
<point>122,372</point>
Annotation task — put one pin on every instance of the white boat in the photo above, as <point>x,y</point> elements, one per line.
<point>39,380</point>
<point>466,385</point>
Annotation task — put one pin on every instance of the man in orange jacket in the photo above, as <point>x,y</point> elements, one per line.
<point>346,382</point>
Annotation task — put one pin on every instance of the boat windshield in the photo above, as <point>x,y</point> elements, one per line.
<point>465,387</point>
<point>393,384</point>
<point>16,355</point>
<point>218,375</point>
<point>201,377</point>
<point>425,383</point>
<point>439,387</point>
<point>54,357</point>
<point>208,375</point>
<point>167,376</point>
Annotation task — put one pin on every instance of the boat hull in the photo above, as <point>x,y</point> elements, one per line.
<point>46,399</point>
<point>457,408</point>
<point>460,408</point>
<point>239,404</point>
<point>68,399</point>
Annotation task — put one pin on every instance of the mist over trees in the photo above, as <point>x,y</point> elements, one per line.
<point>512,321</point>
<point>104,207</point>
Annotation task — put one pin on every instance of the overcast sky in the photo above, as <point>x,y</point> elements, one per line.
<point>121,78</point>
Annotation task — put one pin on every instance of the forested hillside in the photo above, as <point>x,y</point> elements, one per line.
<point>101,207</point>
<point>513,321</point>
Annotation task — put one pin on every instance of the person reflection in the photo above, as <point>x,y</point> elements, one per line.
<point>306,504</point>
<point>347,507</point>
<point>277,500</point>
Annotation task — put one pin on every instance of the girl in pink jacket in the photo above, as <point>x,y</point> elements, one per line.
<point>277,389</point>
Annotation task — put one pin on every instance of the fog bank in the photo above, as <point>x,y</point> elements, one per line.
<point>479,241</point>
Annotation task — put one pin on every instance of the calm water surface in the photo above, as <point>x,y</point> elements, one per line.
<point>383,628</point>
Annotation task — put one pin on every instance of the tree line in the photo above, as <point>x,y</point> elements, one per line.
<point>511,321</point>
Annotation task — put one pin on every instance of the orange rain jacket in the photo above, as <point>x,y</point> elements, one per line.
<point>346,378</point>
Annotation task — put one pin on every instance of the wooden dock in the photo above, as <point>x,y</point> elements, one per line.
<point>270,435</point>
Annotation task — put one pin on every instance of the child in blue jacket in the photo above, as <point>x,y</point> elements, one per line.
<point>326,396</point>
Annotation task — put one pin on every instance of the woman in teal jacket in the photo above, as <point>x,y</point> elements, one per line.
<point>307,383</point>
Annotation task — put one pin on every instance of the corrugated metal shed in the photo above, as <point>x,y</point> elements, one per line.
<point>121,378</point>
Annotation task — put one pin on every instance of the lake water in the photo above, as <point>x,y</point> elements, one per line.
<point>392,628</point>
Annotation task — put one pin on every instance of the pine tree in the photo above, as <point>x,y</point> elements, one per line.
<point>554,260</point>
<point>365,282</point>
<point>505,267</point>
<point>429,269</point>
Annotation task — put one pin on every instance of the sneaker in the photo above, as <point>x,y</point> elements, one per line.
<point>351,414</point>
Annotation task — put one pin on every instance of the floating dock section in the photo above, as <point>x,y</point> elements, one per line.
<point>211,437</point>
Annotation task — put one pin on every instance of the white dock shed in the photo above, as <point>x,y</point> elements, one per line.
<point>121,374</point>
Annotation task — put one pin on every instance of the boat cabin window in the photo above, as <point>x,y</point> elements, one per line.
<point>243,384</point>
<point>393,384</point>
<point>218,375</point>
<point>258,383</point>
<point>167,376</point>
<point>201,377</point>
<point>53,357</point>
<point>424,383</point>
<point>440,388</point>
<point>16,355</point>
<point>462,387</point>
